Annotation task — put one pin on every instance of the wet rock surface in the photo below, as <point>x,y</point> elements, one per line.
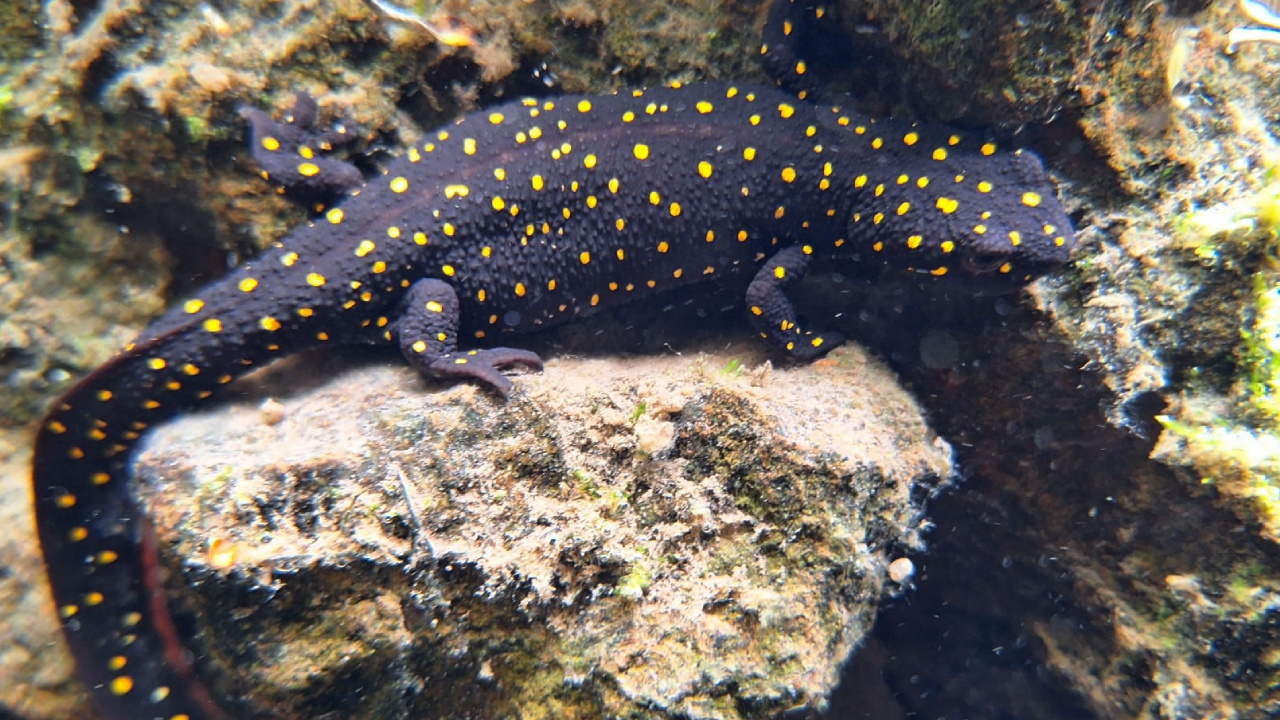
<point>657,537</point>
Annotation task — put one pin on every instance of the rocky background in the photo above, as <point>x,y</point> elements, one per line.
<point>1109,549</point>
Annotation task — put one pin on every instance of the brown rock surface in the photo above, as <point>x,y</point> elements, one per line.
<point>651,536</point>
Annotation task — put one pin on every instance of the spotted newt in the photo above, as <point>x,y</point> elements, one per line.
<point>514,218</point>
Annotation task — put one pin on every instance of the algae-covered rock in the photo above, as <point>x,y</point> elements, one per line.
<point>661,537</point>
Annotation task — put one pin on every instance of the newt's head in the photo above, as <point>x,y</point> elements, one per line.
<point>987,219</point>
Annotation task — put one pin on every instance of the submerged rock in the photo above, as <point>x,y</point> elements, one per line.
<point>650,537</point>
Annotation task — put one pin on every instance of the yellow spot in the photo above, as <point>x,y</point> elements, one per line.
<point>988,148</point>
<point>903,178</point>
<point>498,203</point>
<point>434,306</point>
<point>364,248</point>
<point>414,155</point>
<point>984,186</point>
<point>567,213</point>
<point>675,209</point>
<point>777,214</point>
<point>520,288</point>
<point>704,169</point>
<point>827,169</point>
<point>779,272</point>
<point>308,169</point>
<point>289,258</point>
<point>877,218</point>
<point>595,300</point>
<point>521,137</point>
<point>938,272</point>
<point>584,257</point>
<point>419,346</point>
<point>860,181</point>
<point>914,241</point>
<point>641,151</point>
<point>711,236</point>
<point>677,273</point>
<point>535,132</point>
<point>786,110</point>
<point>754,119</point>
<point>399,185</point>
<point>589,161</point>
<point>213,325</point>
<point>903,208</point>
<point>663,246</point>
<point>947,246</point>
<point>193,306</point>
<point>420,238</point>
<point>315,279</point>
<point>453,191</point>
<point>877,143</point>
<point>106,557</point>
<point>537,182</point>
<point>334,216</point>
<point>248,284</point>
<point>269,323</point>
<point>939,154</point>
<point>99,478</point>
<point>121,685</point>
<point>481,295</point>
<point>271,144</point>
<point>742,236</point>
<point>922,182</point>
<point>980,229</point>
<point>449,229</point>
<point>78,534</point>
<point>620,223</point>
<point>910,138</point>
<point>592,201</point>
<point>584,106</point>
<point>613,185</point>
<point>947,205</point>
<point>378,268</point>
<point>117,663</point>
<point>1031,199</point>
<point>150,404</point>
<point>704,107</point>
<point>156,363</point>
<point>628,116</point>
<point>469,146</point>
<point>551,284</point>
<point>788,174</point>
<point>65,500</point>
<point>1015,237</point>
<point>655,198</point>
<point>748,154</point>
<point>800,68</point>
<point>816,342</point>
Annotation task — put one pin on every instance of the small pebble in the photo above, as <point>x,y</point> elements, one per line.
<point>271,411</point>
<point>901,570</point>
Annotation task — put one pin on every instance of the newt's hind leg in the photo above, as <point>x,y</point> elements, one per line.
<point>772,312</point>
<point>294,154</point>
<point>428,333</point>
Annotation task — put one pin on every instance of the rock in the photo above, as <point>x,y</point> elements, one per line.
<point>652,536</point>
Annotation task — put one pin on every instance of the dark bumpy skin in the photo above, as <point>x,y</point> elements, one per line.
<point>511,219</point>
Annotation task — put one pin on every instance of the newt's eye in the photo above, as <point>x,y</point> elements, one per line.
<point>984,262</point>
